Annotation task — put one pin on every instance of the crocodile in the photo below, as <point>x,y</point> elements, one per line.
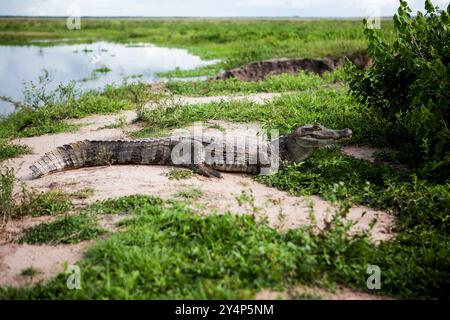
<point>204,155</point>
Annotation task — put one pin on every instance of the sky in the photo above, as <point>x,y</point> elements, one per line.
<point>209,8</point>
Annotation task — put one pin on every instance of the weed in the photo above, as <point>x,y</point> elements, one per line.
<point>275,83</point>
<point>65,230</point>
<point>29,202</point>
<point>8,150</point>
<point>83,194</point>
<point>46,112</point>
<point>179,174</point>
<point>30,272</point>
<point>166,251</point>
<point>331,107</point>
<point>7,205</point>
<point>216,126</point>
<point>234,41</point>
<point>189,193</point>
<point>103,69</point>
<point>120,123</point>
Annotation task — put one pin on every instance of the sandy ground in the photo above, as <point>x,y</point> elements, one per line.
<point>305,292</point>
<point>258,98</point>
<point>47,260</point>
<point>364,153</point>
<point>282,209</point>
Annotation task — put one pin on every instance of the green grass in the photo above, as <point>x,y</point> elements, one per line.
<point>28,202</point>
<point>331,107</point>
<point>420,207</point>
<point>69,229</point>
<point>166,251</point>
<point>8,150</point>
<point>190,193</point>
<point>46,113</point>
<point>103,69</point>
<point>209,70</point>
<point>418,204</point>
<point>278,83</point>
<point>179,174</point>
<point>235,41</point>
<point>30,272</point>
<point>83,193</point>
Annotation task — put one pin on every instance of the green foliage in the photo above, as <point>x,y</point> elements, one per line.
<point>45,112</point>
<point>166,251</point>
<point>7,206</point>
<point>189,193</point>
<point>278,83</point>
<point>37,204</point>
<point>234,41</point>
<point>336,177</point>
<point>28,203</point>
<point>8,150</point>
<point>179,174</point>
<point>30,272</point>
<point>103,69</point>
<point>415,263</point>
<point>409,84</point>
<point>65,230</point>
<point>209,70</point>
<point>126,205</point>
<point>331,107</point>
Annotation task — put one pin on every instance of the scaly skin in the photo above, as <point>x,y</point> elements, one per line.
<point>247,158</point>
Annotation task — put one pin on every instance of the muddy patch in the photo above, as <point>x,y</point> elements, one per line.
<point>261,69</point>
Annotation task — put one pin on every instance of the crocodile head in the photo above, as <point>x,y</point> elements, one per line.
<point>311,136</point>
<point>304,140</point>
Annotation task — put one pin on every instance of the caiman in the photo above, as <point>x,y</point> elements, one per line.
<point>203,155</point>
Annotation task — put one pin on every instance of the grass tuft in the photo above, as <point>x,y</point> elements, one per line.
<point>65,230</point>
<point>8,150</point>
<point>28,202</point>
<point>179,174</point>
<point>190,193</point>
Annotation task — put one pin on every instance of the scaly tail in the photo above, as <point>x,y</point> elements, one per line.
<point>98,153</point>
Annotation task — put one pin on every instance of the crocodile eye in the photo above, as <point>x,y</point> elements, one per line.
<point>316,127</point>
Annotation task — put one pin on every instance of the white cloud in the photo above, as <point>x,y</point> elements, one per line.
<point>317,8</point>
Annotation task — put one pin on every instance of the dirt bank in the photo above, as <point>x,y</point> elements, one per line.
<point>261,69</point>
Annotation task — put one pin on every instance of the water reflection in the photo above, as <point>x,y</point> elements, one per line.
<point>21,64</point>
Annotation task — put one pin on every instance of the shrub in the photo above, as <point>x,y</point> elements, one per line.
<point>408,84</point>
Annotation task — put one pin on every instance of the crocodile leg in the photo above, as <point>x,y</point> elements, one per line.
<point>204,170</point>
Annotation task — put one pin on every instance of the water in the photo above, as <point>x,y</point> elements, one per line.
<point>21,64</point>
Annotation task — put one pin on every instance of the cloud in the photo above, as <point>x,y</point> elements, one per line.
<point>316,8</point>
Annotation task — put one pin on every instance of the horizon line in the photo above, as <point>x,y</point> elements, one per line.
<point>197,17</point>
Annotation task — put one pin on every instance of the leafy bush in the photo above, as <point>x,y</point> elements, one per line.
<point>408,84</point>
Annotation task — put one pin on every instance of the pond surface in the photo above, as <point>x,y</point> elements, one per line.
<point>19,65</point>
